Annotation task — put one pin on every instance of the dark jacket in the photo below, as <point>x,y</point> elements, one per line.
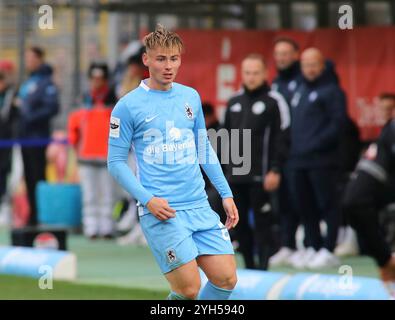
<point>7,125</point>
<point>39,103</point>
<point>350,147</point>
<point>287,81</point>
<point>379,162</point>
<point>386,155</point>
<point>258,111</point>
<point>318,112</point>
<point>386,149</point>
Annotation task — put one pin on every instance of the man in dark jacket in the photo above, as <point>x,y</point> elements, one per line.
<point>7,121</point>
<point>256,109</point>
<point>37,103</point>
<point>289,76</point>
<point>318,116</point>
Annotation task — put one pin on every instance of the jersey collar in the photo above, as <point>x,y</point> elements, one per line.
<point>144,85</point>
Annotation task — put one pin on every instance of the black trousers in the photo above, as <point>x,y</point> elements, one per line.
<point>34,163</point>
<point>256,237</point>
<point>363,200</point>
<point>3,182</point>
<point>5,168</point>
<point>289,219</point>
<point>314,197</point>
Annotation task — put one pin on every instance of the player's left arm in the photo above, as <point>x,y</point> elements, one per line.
<point>210,164</point>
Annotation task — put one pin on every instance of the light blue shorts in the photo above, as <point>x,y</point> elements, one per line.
<point>191,233</point>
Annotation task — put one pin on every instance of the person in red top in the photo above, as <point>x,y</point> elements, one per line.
<point>88,133</point>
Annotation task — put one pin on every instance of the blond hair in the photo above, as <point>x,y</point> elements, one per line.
<point>163,38</point>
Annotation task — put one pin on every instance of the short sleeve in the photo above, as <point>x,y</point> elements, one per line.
<point>121,126</point>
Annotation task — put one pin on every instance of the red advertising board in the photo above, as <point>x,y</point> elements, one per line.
<point>364,60</point>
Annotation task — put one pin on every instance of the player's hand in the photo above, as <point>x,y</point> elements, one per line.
<point>231,213</point>
<point>160,208</point>
<point>271,181</point>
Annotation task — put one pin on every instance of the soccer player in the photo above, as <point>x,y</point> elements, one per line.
<point>370,190</point>
<point>164,123</point>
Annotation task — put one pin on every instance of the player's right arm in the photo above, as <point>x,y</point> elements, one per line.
<point>120,139</point>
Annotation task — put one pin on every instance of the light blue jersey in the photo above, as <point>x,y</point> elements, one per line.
<point>169,137</point>
<point>168,134</point>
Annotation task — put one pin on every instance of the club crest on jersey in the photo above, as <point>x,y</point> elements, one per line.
<point>258,107</point>
<point>188,111</point>
<point>171,255</point>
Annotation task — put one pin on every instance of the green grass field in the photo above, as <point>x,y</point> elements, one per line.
<point>109,271</point>
<point>20,288</point>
